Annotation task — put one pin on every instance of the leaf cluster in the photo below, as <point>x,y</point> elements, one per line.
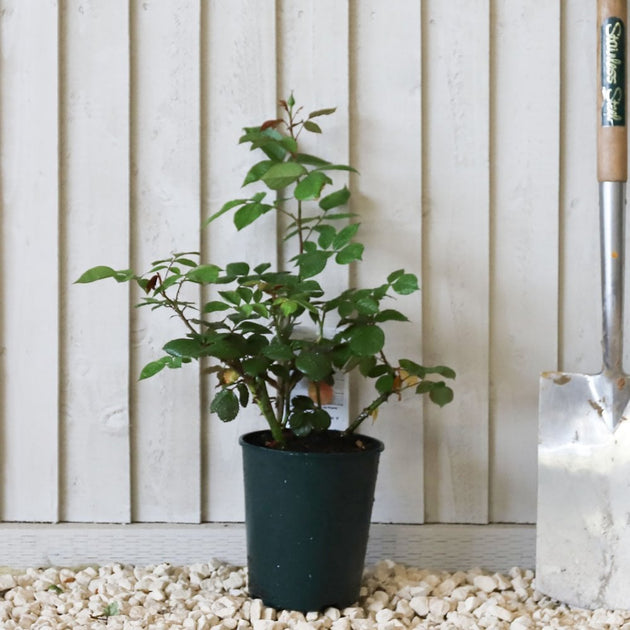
<point>251,327</point>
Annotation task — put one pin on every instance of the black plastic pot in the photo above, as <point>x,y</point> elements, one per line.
<point>307,519</point>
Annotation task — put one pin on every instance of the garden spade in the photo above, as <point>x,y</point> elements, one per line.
<point>583,530</point>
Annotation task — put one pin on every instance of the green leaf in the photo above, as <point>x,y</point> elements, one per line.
<point>405,284</point>
<point>366,340</point>
<point>227,347</point>
<point>379,370</point>
<point>340,216</point>
<point>366,365</point>
<point>288,307</point>
<point>322,112</point>
<point>316,366</point>
<point>413,368</point>
<point>204,274</point>
<point>442,370</point>
<point>350,253</point>
<point>312,263</point>
<point>231,296</point>
<point>345,235</point>
<point>246,293</point>
<point>262,268</point>
<point>338,167</point>
<point>299,423</point>
<point>441,394</point>
<point>312,127</point>
<point>311,186</point>
<point>305,419</point>
<point>283,174</point>
<point>255,366</point>
<point>389,314</point>
<point>269,141</point>
<point>101,272</point>
<point>152,368</point>
<point>278,351</point>
<point>243,393</point>
<point>394,275</point>
<point>335,199</point>
<point>385,383</point>
<point>253,327</point>
<point>184,348</point>
<point>424,387</point>
<point>367,305</point>
<point>187,262</point>
<point>345,309</point>
<point>289,144</point>
<point>326,235</point>
<point>320,419</point>
<point>311,160</point>
<point>248,213</point>
<point>226,405</point>
<point>215,305</point>
<point>302,403</point>
<point>261,310</point>
<point>225,208</point>
<point>257,171</point>
<point>237,269</point>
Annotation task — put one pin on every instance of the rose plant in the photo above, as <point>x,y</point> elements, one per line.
<point>250,329</point>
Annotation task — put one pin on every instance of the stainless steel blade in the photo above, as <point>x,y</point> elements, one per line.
<point>583,529</point>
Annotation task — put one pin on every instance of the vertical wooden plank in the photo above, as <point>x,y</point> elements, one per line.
<point>524,291</point>
<point>580,316</point>
<point>386,149</point>
<point>455,246</point>
<point>30,268</point>
<point>314,56</point>
<point>95,160</point>
<point>239,79</point>
<point>166,219</point>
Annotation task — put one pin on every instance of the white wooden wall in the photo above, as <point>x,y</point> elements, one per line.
<point>472,124</point>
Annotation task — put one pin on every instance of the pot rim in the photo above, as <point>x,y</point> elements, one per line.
<point>373,445</point>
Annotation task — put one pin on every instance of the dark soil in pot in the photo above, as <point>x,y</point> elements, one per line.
<point>308,515</point>
<point>322,442</point>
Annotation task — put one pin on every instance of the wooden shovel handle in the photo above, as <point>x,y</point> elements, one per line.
<point>612,137</point>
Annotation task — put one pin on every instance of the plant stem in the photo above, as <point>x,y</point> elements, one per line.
<point>367,411</point>
<point>172,304</point>
<point>298,223</point>
<point>259,390</point>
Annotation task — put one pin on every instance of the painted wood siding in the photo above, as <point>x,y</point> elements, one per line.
<point>472,125</point>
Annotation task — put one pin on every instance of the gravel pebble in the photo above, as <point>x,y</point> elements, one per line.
<point>213,596</point>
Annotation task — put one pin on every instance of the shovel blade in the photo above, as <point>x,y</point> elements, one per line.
<point>583,525</point>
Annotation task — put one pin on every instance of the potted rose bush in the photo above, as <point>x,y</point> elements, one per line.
<point>309,489</point>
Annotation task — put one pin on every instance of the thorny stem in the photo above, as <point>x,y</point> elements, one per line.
<point>372,407</point>
<point>367,411</point>
<point>299,227</point>
<point>261,397</point>
<point>174,306</point>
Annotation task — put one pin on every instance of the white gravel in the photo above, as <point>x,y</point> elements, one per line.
<point>213,596</point>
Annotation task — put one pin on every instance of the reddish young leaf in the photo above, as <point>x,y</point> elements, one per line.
<point>152,283</point>
<point>270,123</point>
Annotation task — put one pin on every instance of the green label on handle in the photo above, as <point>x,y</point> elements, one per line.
<point>613,79</point>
